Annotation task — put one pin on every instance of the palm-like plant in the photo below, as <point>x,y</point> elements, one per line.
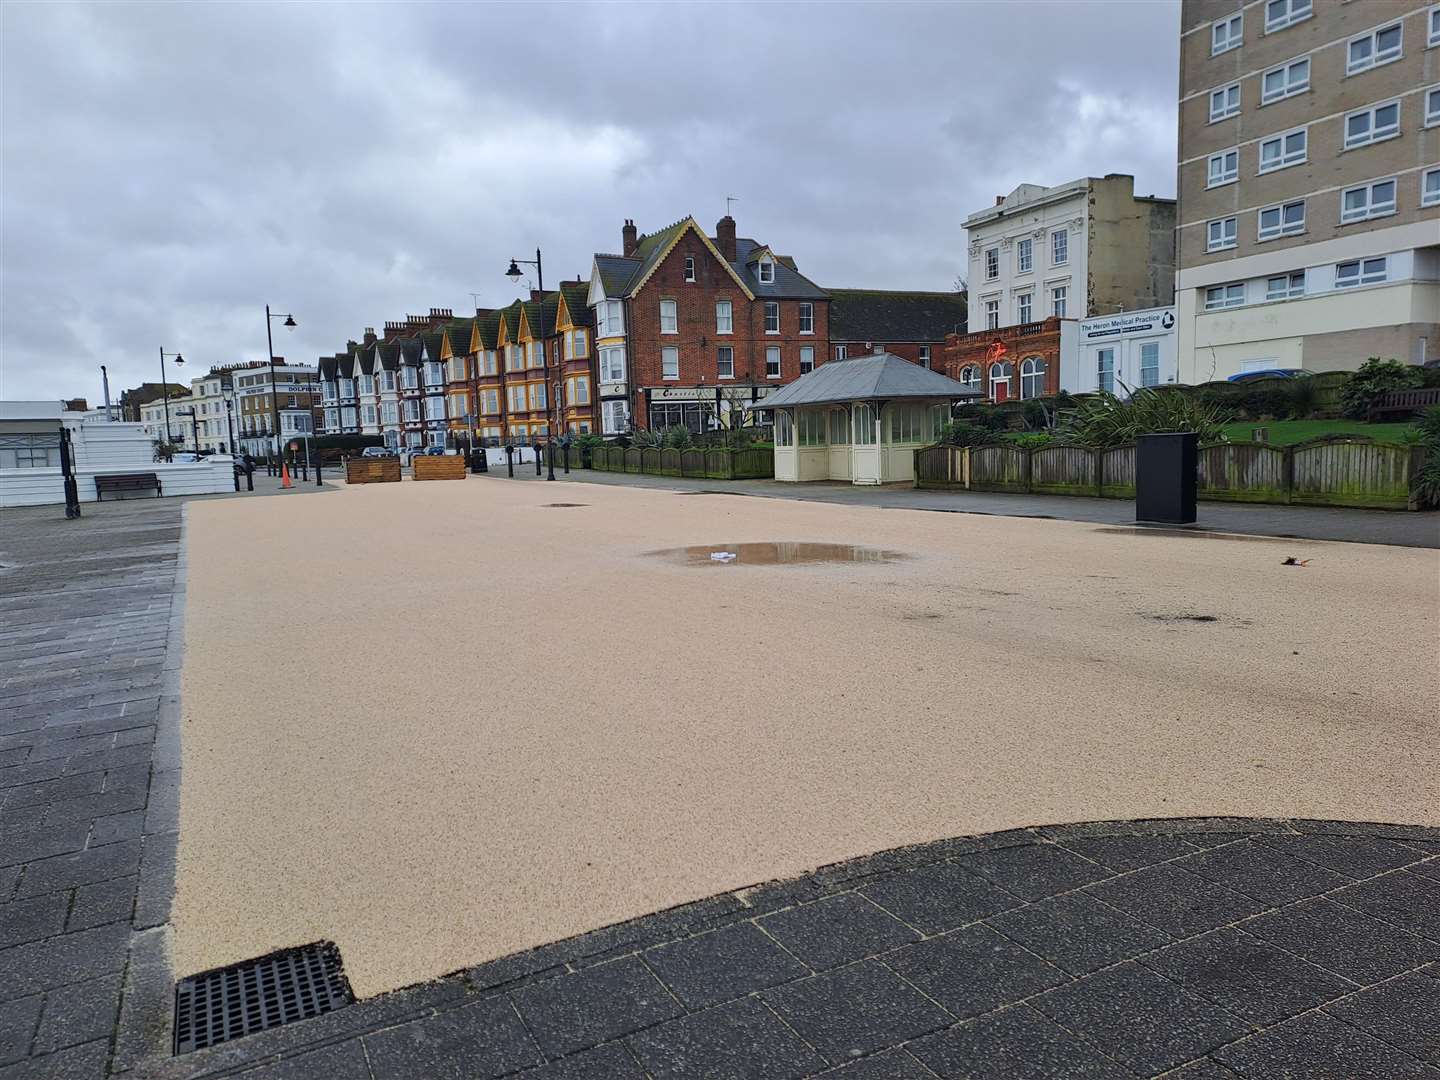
<point>1105,420</point>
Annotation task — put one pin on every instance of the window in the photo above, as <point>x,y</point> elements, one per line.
<point>367,384</point>
<point>1432,106</point>
<point>784,428</point>
<point>1221,234</point>
<point>609,319</point>
<point>772,361</point>
<point>1225,102</point>
<point>387,380</point>
<point>689,267</point>
<point>537,396</point>
<point>490,402</point>
<point>1150,363</point>
<point>612,363</point>
<point>1360,272</point>
<point>30,451</point>
<point>811,425</point>
<point>1283,150</point>
<point>1285,81</point>
<point>841,352</point>
<point>925,356</point>
<point>492,366</point>
<point>1285,286</point>
<point>1226,34</point>
<point>1022,308</point>
<point>1372,125</point>
<point>970,375</point>
<point>536,350</point>
<point>1058,296</point>
<point>1032,377</point>
<point>807,359</point>
<point>1000,376</point>
<point>1372,200</point>
<point>992,314</point>
<point>457,368</point>
<point>434,408</point>
<point>725,362</point>
<point>1023,256</point>
<point>724,319</point>
<point>347,388</point>
<point>1059,247</point>
<point>1282,13</point>
<point>412,410</point>
<point>670,362</point>
<point>390,412</point>
<point>579,345</point>
<point>434,374</point>
<point>864,425</point>
<point>1223,168</point>
<point>1105,371</point>
<point>807,318</point>
<point>580,391</point>
<point>437,438</point>
<point>772,317</point>
<point>1224,296</point>
<point>329,390</point>
<point>767,272</point>
<point>1287,219</point>
<point>669,320</point>
<point>615,417</point>
<point>1434,38</point>
<point>839,427</point>
<point>907,423</point>
<point>368,412</point>
<point>1373,49</point>
<point>992,264</point>
<point>1430,188</point>
<point>517,398</point>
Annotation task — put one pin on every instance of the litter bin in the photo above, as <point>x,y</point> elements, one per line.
<point>1165,476</point>
<point>478,463</point>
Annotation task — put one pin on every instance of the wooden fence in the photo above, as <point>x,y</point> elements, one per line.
<point>1323,472</point>
<point>385,470</point>
<point>715,463</point>
<point>428,467</point>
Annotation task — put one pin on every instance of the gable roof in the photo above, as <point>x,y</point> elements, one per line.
<point>789,283</point>
<point>878,315</point>
<point>622,275</point>
<point>487,329</point>
<point>576,295</point>
<point>883,376</point>
<point>458,333</point>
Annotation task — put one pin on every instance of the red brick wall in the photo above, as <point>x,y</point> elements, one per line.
<point>697,341</point>
<point>909,350</point>
<point>1020,342</point>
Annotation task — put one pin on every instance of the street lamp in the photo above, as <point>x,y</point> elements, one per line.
<point>514,272</point>
<point>289,324</point>
<point>165,387</point>
<point>195,427</point>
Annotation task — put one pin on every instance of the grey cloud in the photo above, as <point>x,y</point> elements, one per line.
<point>187,164</point>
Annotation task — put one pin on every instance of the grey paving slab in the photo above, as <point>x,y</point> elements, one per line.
<point>837,930</point>
<point>1017,1043</point>
<point>613,1061</point>
<point>575,1012</point>
<point>343,1061</point>
<point>886,1065</point>
<point>477,1041</point>
<point>1400,898</point>
<point>973,970</point>
<point>79,1013</point>
<point>1035,871</point>
<point>1319,1047</point>
<point>937,898</point>
<point>742,1040</point>
<point>1079,934</point>
<point>33,918</point>
<point>710,968</point>
<point>1175,900</point>
<point>1403,1012</point>
<point>1350,943</point>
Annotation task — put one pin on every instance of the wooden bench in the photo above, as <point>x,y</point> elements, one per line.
<point>126,482</point>
<point>1403,404</point>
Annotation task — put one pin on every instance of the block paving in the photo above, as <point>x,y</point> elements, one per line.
<point>1191,948</point>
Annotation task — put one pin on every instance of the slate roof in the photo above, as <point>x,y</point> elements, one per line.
<point>433,341</point>
<point>540,316</point>
<point>410,350</point>
<point>789,283</point>
<point>616,273</point>
<point>388,353</point>
<point>876,315</point>
<point>510,316</point>
<point>459,332</point>
<point>489,324</point>
<point>882,376</point>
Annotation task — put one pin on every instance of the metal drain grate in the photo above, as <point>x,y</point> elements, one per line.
<point>230,1002</point>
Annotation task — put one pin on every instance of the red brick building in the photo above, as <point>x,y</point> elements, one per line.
<point>913,325</point>
<point>1012,362</point>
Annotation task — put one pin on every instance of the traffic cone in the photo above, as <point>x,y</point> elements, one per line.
<point>285,475</point>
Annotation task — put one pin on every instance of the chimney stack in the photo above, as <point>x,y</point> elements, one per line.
<point>629,239</point>
<point>999,200</point>
<point>369,335</point>
<point>725,237</point>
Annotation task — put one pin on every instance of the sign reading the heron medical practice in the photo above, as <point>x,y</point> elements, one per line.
<point>1152,321</point>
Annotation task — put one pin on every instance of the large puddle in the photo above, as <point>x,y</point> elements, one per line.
<point>776,552</point>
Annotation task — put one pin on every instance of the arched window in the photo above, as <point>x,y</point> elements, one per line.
<point>864,425</point>
<point>1001,375</point>
<point>1032,377</point>
<point>970,375</point>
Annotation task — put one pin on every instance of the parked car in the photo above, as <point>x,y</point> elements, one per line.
<point>377,451</point>
<point>184,457</point>
<point>432,451</point>
<point>1269,373</point>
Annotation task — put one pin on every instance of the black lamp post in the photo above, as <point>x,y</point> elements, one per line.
<point>289,323</point>
<point>165,387</point>
<point>514,272</point>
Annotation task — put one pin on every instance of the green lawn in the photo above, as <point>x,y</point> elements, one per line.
<point>1285,432</point>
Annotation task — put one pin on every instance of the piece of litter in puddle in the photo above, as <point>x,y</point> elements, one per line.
<point>722,556</point>
<point>1291,560</point>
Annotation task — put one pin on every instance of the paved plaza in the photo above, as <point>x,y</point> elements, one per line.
<point>954,930</point>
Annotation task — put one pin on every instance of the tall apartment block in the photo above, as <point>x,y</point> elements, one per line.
<point>1309,185</point>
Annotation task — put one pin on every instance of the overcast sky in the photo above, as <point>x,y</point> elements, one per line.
<point>168,169</point>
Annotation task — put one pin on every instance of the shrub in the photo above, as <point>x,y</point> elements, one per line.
<point>676,438</point>
<point>1304,397</point>
<point>1105,420</point>
<point>1030,440</point>
<point>1429,425</point>
<point>1273,401</point>
<point>1376,377</point>
<point>965,433</point>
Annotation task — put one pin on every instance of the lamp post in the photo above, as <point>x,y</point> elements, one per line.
<point>289,324</point>
<point>195,427</point>
<point>230,430</point>
<point>514,272</point>
<point>165,387</point>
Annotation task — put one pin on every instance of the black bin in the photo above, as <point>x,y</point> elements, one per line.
<point>1165,478</point>
<point>478,464</point>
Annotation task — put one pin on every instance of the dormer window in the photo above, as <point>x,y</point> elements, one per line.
<point>767,272</point>
<point>689,267</point>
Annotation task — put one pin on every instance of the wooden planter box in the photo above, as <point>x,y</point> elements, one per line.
<point>384,470</point>
<point>450,467</point>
